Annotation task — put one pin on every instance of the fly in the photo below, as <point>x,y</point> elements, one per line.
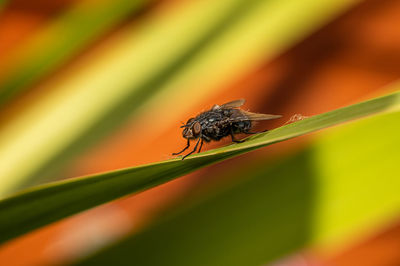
<point>219,122</point>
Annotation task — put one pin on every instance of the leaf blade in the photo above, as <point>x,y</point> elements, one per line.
<point>326,195</point>
<point>44,204</point>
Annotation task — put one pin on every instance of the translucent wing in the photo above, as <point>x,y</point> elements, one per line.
<point>244,115</point>
<point>255,116</point>
<point>234,104</point>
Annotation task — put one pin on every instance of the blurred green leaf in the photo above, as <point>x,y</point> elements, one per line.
<point>63,39</point>
<point>48,203</point>
<point>165,52</point>
<point>342,187</point>
<point>2,3</point>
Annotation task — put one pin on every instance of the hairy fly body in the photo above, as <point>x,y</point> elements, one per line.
<point>218,122</point>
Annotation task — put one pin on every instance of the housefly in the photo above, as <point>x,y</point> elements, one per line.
<point>219,122</point>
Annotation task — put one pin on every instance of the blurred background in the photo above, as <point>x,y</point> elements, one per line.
<point>96,85</point>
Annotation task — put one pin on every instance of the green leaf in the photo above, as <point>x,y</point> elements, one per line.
<point>2,4</point>
<point>64,38</point>
<point>42,205</point>
<point>341,188</point>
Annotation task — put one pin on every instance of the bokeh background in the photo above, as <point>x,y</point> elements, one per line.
<point>96,85</point>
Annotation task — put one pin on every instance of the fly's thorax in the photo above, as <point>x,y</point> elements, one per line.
<point>214,124</point>
<point>209,119</point>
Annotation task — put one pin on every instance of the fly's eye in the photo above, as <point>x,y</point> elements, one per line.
<point>196,128</point>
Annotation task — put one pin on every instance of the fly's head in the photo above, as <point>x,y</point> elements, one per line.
<point>192,129</point>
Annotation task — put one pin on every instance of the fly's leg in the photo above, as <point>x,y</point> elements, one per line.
<point>205,138</point>
<point>248,132</point>
<point>195,148</point>
<point>235,140</point>
<point>184,149</point>
<point>201,145</point>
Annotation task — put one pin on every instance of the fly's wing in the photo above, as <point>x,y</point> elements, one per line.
<point>244,115</point>
<point>233,104</point>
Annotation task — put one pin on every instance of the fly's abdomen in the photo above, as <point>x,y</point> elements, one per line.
<point>241,126</point>
<point>216,132</point>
